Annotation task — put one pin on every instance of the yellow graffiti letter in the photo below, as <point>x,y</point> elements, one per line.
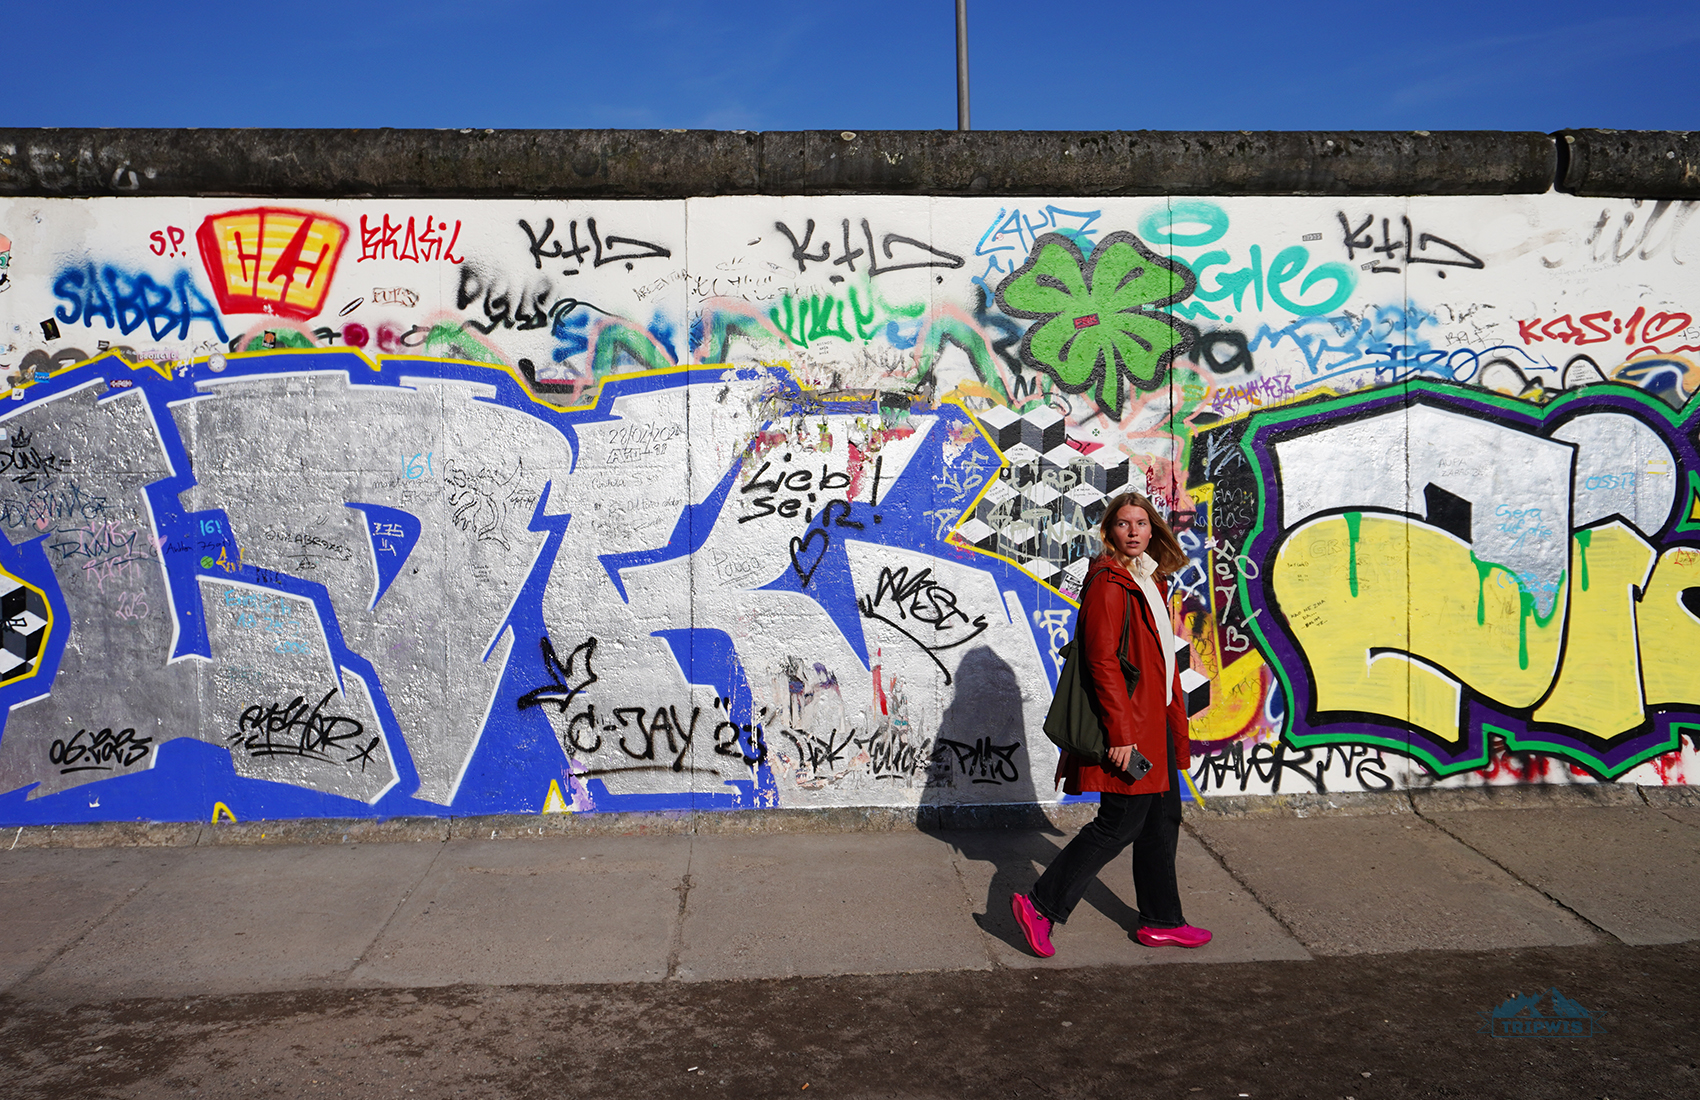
<point>1598,687</point>
<point>1669,632</point>
<point>1393,615</point>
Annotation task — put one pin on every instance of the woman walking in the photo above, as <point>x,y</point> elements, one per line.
<point>1140,552</point>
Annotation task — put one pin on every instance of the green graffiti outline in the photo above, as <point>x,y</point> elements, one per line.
<point>1683,522</point>
<point>1262,421</point>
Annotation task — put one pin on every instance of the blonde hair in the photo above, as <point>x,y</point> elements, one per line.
<point>1164,548</point>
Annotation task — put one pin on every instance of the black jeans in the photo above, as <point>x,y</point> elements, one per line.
<point>1151,823</point>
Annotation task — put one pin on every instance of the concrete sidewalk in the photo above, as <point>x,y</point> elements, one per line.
<point>1438,873</point>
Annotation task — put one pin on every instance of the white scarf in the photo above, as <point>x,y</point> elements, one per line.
<point>1143,567</point>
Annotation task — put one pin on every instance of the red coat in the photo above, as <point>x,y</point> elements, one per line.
<point>1143,721</point>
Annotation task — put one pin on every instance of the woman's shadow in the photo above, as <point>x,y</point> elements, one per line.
<point>972,802</point>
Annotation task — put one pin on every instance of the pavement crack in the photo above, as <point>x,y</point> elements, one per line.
<point>677,943</point>
<point>1673,817</point>
<point>1246,886</point>
<point>384,928</point>
<point>1517,878</point>
<point>67,948</point>
<point>1661,806</point>
<point>968,896</point>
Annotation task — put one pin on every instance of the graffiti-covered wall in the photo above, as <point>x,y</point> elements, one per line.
<point>393,507</point>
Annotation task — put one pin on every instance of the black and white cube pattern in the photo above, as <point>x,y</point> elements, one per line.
<point>1044,510</point>
<point>24,630</point>
<point>1038,429</point>
<point>1195,686</point>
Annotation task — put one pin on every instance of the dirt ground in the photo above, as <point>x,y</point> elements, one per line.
<point>1359,1028</point>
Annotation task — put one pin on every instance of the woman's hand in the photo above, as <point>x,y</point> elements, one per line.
<point>1120,755</point>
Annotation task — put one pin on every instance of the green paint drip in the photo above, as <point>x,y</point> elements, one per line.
<point>1483,568</point>
<point>1527,612</point>
<point>1582,540</point>
<point>1526,602</point>
<point>1353,520</point>
<point>1524,612</point>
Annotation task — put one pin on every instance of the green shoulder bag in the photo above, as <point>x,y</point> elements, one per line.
<point>1072,723</point>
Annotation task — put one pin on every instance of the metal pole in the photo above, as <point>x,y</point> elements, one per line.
<point>962,64</point>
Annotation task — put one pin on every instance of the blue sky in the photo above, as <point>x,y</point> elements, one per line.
<point>874,64</point>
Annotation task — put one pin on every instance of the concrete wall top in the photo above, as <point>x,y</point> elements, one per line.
<point>1631,164</point>
<point>678,163</point>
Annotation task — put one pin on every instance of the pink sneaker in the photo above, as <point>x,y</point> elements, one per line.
<point>1034,926</point>
<point>1184,936</point>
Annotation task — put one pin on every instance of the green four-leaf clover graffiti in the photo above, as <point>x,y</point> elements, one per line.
<point>1099,321</point>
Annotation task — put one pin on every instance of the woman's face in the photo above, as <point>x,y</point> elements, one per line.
<point>1130,531</point>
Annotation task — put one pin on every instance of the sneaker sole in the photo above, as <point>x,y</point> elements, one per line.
<point>1167,942</point>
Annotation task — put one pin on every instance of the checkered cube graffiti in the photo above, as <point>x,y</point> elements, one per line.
<point>26,622</point>
<point>1044,510</point>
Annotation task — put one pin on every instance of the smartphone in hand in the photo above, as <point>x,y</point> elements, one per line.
<point>1137,765</point>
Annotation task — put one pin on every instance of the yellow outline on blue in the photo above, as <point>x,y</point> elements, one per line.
<point>47,605</point>
<point>951,538</point>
